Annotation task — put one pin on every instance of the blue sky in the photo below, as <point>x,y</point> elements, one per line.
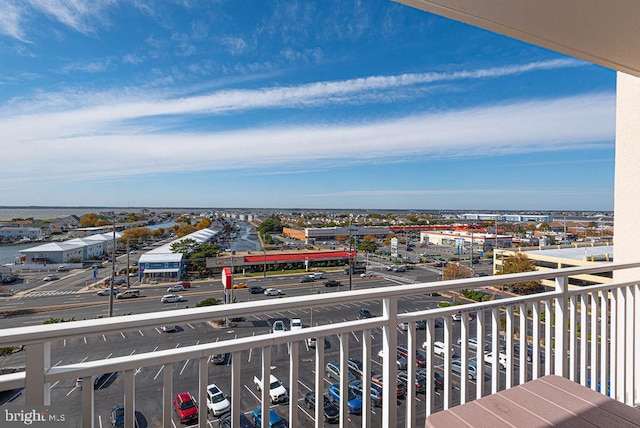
<point>293,104</point>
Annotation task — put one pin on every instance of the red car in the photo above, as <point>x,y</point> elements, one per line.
<point>186,407</point>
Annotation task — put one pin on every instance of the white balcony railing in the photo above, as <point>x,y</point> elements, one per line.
<point>586,334</point>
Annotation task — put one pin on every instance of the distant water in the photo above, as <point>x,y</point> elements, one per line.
<point>46,213</point>
<point>8,253</point>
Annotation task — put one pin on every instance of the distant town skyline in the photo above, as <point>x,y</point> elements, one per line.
<point>332,105</point>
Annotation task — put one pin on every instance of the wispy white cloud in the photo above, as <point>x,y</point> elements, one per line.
<point>11,19</point>
<point>85,147</point>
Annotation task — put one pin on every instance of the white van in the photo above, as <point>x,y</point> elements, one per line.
<point>127,294</point>
<point>318,275</point>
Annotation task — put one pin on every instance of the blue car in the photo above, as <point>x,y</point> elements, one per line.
<point>354,402</point>
<point>376,392</point>
<point>275,420</point>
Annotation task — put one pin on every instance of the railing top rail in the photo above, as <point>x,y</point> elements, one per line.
<point>42,333</point>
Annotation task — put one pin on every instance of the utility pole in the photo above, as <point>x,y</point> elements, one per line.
<point>128,281</point>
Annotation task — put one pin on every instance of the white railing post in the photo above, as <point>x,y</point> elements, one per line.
<point>129,398</point>
<point>480,338</point>
<point>509,343</point>
<point>366,377</point>
<point>560,337</point>
<point>86,391</point>
<point>429,392</point>
<point>294,350</point>
<point>613,344</point>
<point>38,361</point>
<point>203,381</point>
<point>344,379</point>
<point>630,334</point>
<point>389,369</point>
<point>495,334</point>
<point>535,357</point>
<point>584,357</point>
<point>236,364</point>
<point>522,369</point>
<point>319,381</point>
<point>573,338</point>
<point>410,414</point>
<point>548,337</point>
<point>636,344</point>
<point>604,339</point>
<point>167,394</point>
<point>265,397</point>
<point>595,337</point>
<point>464,355</point>
<point>446,391</point>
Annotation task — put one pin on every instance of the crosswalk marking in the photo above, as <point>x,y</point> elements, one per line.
<point>47,293</point>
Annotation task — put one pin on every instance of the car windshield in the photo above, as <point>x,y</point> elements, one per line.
<point>187,405</point>
<point>275,384</point>
<point>218,398</point>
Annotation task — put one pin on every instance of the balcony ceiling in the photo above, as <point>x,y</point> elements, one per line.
<point>604,32</point>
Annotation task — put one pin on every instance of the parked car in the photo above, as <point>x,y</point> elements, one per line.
<point>217,402</point>
<point>400,360</point>
<point>278,327</point>
<point>401,388</point>
<point>186,407</point>
<point>472,369</point>
<point>295,324</point>
<point>489,358</point>
<point>421,361</point>
<point>172,298</point>
<point>275,420</point>
<point>273,292</point>
<point>117,416</point>
<point>420,381</point>
<point>170,328</point>
<point>119,281</point>
<point>332,283</point>
<point>311,342</point>
<point>330,411</point>
<point>244,422</point>
<point>355,366</point>
<point>364,313</point>
<point>50,277</point>
<point>219,359</point>
<point>9,279</point>
<point>472,344</point>
<point>354,403</point>
<point>175,288</point>
<point>516,352</point>
<point>333,371</point>
<point>439,348</point>
<point>375,392</point>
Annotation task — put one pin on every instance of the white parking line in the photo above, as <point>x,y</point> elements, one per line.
<point>158,373</point>
<point>355,337</point>
<point>281,315</point>
<point>123,336</point>
<point>184,367</point>
<point>104,338</point>
<point>141,333</point>
<point>85,339</point>
<point>192,327</point>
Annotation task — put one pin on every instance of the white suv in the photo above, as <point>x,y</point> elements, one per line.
<point>295,324</point>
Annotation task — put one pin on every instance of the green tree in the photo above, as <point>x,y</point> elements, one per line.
<point>270,225</point>
<point>367,246</point>
<point>517,264</point>
<point>185,246</point>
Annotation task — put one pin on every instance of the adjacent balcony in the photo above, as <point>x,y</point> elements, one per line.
<point>587,335</point>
